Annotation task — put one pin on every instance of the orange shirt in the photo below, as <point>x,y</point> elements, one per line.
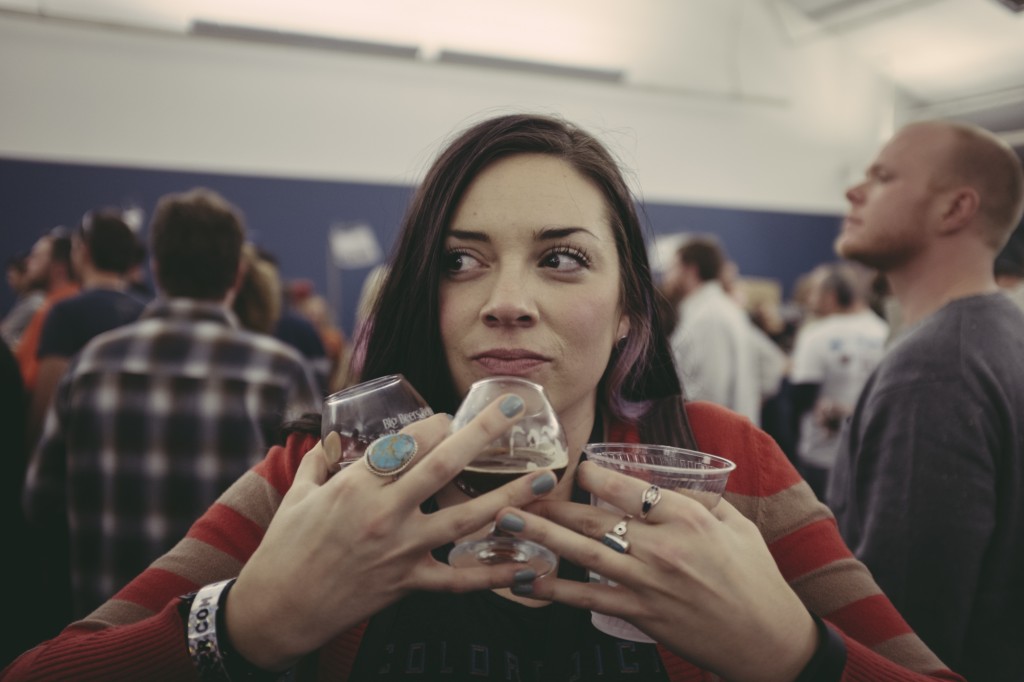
<point>29,344</point>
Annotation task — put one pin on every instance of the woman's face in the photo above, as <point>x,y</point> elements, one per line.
<point>532,282</point>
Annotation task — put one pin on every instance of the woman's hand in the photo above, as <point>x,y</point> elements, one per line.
<point>702,583</point>
<point>341,548</point>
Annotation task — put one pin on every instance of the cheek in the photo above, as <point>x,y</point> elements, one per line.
<point>591,326</point>
<point>450,316</point>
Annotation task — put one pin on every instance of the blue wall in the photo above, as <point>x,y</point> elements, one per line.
<point>291,218</point>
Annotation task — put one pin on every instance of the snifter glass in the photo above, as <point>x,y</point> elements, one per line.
<point>363,413</point>
<point>535,441</point>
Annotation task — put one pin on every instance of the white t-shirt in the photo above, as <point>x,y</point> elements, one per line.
<point>839,353</point>
<point>715,352</point>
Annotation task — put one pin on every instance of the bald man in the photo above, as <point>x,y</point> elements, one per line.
<point>928,486</point>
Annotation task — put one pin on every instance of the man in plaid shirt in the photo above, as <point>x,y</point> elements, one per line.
<point>153,420</point>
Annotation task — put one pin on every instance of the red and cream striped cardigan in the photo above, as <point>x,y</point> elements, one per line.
<point>139,633</point>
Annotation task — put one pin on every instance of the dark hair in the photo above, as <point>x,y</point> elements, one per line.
<point>405,334</point>
<point>112,244</point>
<point>18,262</point>
<point>60,247</point>
<point>839,281</point>
<point>196,238</point>
<point>705,254</point>
<point>258,301</point>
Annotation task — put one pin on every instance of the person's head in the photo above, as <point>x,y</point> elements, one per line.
<point>137,272</point>
<point>698,260</point>
<point>837,288</point>
<point>196,240</point>
<point>104,241</point>
<point>258,301</point>
<point>1009,265</point>
<point>317,310</point>
<point>16,269</point>
<point>48,264</point>
<point>522,252</point>
<point>934,183</point>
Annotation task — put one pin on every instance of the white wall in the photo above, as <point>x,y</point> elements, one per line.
<point>775,126</point>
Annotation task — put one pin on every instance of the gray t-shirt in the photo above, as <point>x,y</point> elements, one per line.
<point>928,487</point>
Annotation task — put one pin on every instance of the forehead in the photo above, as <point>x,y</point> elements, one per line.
<point>41,247</point>
<point>922,145</point>
<point>532,189</point>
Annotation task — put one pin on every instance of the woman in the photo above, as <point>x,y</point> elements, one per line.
<point>521,254</point>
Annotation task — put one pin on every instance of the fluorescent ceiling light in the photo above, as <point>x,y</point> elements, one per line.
<point>248,33</point>
<point>542,68</point>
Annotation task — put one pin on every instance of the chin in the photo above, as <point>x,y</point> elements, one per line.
<point>846,247</point>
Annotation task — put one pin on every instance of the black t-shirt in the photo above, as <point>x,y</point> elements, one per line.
<point>481,636</point>
<point>73,322</point>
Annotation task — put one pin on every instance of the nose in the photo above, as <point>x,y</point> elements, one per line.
<point>855,194</point>
<point>509,302</point>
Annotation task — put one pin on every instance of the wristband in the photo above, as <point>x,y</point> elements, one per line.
<point>202,632</point>
<point>829,659</point>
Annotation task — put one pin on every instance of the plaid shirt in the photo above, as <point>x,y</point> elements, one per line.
<point>151,422</point>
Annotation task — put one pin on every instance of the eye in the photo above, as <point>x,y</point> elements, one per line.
<point>880,175</point>
<point>566,259</point>
<point>459,260</point>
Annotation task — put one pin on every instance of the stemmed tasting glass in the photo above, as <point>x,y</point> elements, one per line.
<point>363,413</point>
<point>691,473</point>
<point>536,441</point>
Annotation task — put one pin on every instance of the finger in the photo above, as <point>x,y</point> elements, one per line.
<point>459,449</point>
<point>463,519</point>
<point>618,600</point>
<point>312,472</point>
<point>440,577</point>
<point>426,434</point>
<point>627,493</point>
<point>582,519</point>
<point>724,511</point>
<point>332,451</point>
<point>429,432</point>
<point>581,549</point>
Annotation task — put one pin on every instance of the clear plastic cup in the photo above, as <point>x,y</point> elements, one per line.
<point>691,473</point>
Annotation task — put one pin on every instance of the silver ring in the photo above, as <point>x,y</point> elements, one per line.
<point>389,455</point>
<point>651,497</point>
<point>616,537</point>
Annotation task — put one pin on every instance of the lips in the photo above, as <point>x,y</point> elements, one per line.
<point>511,361</point>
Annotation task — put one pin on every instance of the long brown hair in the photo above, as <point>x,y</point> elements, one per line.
<point>405,336</point>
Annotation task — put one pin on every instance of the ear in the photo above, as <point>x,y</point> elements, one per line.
<point>623,328</point>
<point>959,208</point>
<point>243,268</point>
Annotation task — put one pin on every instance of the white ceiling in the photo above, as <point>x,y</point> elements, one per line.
<point>952,58</point>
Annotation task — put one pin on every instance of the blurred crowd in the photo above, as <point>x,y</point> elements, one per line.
<point>180,356</point>
<point>131,406</point>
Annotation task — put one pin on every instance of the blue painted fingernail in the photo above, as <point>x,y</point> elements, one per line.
<point>512,523</point>
<point>543,484</point>
<point>525,575</point>
<point>523,589</point>
<point>511,406</point>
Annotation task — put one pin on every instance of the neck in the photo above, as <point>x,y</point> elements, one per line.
<point>577,426</point>
<point>927,284</point>
<point>96,279</point>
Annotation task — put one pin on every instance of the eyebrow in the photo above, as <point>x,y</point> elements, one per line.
<point>543,234</point>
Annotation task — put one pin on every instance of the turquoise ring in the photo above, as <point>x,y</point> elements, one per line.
<point>389,455</point>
